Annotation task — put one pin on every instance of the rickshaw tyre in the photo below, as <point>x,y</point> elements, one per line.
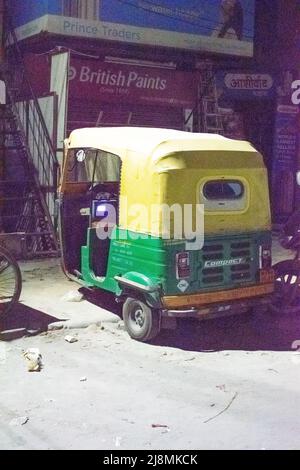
<point>18,281</point>
<point>151,327</point>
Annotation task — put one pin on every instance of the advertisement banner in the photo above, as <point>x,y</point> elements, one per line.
<point>221,26</point>
<point>107,82</point>
<point>285,150</point>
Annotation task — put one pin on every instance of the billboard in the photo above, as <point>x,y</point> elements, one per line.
<point>219,26</point>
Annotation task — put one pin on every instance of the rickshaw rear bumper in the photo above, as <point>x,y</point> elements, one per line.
<point>219,303</point>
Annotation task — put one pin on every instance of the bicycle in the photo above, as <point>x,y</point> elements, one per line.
<point>287,273</point>
<point>10,282</point>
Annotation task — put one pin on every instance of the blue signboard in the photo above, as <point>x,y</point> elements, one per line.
<point>224,26</point>
<point>244,85</point>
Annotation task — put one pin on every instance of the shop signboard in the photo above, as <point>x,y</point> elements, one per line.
<point>93,80</point>
<point>109,82</point>
<point>233,85</point>
<point>218,26</point>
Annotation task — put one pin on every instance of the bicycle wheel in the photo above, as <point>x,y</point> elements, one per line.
<point>10,281</point>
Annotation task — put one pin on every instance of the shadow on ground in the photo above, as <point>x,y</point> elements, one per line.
<point>246,332</point>
<point>24,321</point>
<point>102,299</point>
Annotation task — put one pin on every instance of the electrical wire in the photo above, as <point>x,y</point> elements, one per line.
<point>248,9</point>
<point>249,35</point>
<point>67,49</point>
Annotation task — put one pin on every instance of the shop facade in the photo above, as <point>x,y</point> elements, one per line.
<point>135,63</point>
<point>82,91</point>
<point>112,94</point>
<point>140,63</point>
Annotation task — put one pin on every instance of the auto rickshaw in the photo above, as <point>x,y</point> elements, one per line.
<point>158,276</point>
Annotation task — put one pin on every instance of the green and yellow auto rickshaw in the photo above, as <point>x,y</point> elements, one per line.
<point>117,186</point>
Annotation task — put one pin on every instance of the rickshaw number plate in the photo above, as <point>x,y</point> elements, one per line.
<point>266,276</point>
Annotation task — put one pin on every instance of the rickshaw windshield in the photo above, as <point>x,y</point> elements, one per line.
<point>92,165</point>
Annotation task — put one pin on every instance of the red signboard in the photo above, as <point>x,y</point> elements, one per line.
<point>104,82</point>
<point>109,82</point>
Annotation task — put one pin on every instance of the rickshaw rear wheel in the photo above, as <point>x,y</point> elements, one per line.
<point>141,322</point>
<point>286,298</point>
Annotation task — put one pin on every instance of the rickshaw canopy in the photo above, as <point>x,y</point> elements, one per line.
<point>151,144</point>
<point>165,166</point>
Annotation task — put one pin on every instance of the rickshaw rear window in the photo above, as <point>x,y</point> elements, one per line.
<point>223,190</point>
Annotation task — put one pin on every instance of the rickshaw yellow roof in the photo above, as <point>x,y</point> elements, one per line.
<point>152,142</point>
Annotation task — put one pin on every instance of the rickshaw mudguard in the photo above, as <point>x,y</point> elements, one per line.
<point>139,285</point>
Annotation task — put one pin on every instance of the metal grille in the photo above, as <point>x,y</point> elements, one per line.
<point>241,272</point>
<point>88,114</point>
<point>216,253</point>
<point>209,115</point>
<point>213,252</point>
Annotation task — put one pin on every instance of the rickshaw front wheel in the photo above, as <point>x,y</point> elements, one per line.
<point>140,320</point>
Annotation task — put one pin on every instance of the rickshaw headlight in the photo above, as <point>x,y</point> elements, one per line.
<point>183,265</point>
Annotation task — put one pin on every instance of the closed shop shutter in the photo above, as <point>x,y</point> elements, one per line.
<point>91,114</point>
